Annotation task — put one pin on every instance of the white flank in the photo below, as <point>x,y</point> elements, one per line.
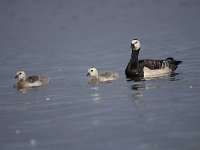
<point>148,73</point>
<point>35,84</point>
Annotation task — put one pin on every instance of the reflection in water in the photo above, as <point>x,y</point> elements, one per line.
<point>95,99</point>
<point>139,85</point>
<point>23,90</point>
<point>138,88</point>
<point>174,77</point>
<point>26,90</point>
<point>33,142</point>
<point>95,95</point>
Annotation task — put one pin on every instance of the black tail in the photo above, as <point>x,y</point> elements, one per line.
<point>177,62</point>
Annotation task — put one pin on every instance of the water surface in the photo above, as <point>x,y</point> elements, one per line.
<point>62,39</point>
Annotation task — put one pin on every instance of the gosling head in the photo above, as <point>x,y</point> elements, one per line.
<point>20,76</point>
<point>92,72</point>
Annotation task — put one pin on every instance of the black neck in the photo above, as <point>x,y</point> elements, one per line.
<point>134,55</point>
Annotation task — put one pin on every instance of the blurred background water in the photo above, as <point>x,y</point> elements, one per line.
<point>62,39</point>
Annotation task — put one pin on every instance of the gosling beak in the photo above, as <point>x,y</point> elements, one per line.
<point>88,74</point>
<point>16,76</point>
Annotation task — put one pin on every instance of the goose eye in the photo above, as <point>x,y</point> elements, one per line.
<point>20,73</point>
<point>91,70</point>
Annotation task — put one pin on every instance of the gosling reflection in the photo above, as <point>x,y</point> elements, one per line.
<point>95,94</point>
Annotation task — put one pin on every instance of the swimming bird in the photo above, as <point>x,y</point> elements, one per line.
<point>95,77</point>
<point>24,82</point>
<point>148,67</point>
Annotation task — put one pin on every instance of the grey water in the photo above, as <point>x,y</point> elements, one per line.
<point>62,39</point>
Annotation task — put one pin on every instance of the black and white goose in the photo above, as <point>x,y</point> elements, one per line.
<point>148,67</point>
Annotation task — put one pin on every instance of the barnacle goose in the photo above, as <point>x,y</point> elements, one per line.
<point>148,67</point>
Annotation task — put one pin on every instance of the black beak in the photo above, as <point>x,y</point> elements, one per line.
<point>16,76</point>
<point>132,46</point>
<point>88,74</point>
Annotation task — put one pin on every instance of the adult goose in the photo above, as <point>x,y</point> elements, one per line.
<point>148,67</point>
<point>24,82</point>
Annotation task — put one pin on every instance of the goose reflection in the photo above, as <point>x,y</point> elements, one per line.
<point>140,85</point>
<point>138,88</point>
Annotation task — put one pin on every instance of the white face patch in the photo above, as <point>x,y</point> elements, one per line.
<point>136,44</point>
<point>92,72</point>
<point>21,75</point>
<point>148,73</point>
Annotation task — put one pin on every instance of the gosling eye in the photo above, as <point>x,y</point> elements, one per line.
<point>91,70</point>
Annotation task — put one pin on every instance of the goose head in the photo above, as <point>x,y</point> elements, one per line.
<point>135,44</point>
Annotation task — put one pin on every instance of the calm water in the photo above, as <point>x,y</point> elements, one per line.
<point>62,39</point>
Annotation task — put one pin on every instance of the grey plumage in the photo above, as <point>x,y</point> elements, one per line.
<point>24,82</point>
<point>95,77</point>
<point>159,64</point>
